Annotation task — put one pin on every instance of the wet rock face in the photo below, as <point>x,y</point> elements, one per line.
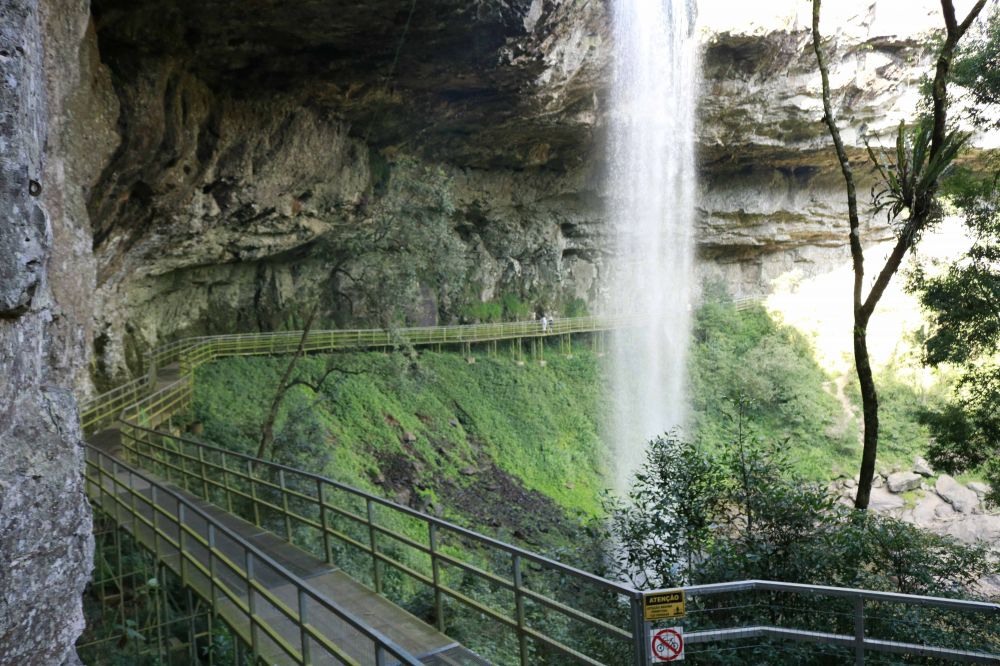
<point>45,540</point>
<point>24,233</point>
<point>253,142</point>
<point>483,84</point>
<point>247,137</point>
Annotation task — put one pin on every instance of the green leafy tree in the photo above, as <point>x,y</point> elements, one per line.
<point>961,298</point>
<point>702,518</point>
<point>907,192</point>
<point>404,252</point>
<point>978,71</point>
<point>673,495</point>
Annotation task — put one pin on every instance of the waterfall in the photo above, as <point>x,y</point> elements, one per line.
<point>651,191</point>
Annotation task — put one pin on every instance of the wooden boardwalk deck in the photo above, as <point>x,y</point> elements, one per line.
<point>412,634</point>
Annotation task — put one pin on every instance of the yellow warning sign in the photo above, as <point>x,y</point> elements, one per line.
<point>663,605</point>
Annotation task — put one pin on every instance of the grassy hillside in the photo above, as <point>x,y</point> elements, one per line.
<point>438,433</point>
<point>428,432</point>
<point>790,398</point>
<point>514,450</point>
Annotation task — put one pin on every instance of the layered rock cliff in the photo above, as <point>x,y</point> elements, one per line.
<point>171,167</point>
<point>251,142</point>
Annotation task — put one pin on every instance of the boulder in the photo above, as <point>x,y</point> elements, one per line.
<point>981,489</point>
<point>977,528</point>
<point>954,493</point>
<point>944,511</point>
<point>925,513</point>
<point>884,501</point>
<point>921,467</point>
<point>900,482</point>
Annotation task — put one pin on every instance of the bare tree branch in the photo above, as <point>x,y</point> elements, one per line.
<point>857,252</point>
<point>317,385</point>
<point>267,428</point>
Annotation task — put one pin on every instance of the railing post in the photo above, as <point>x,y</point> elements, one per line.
<point>211,568</point>
<point>252,604</point>
<point>376,575</point>
<point>284,507</point>
<point>152,516</point>
<point>522,637</point>
<point>204,474</point>
<point>303,633</point>
<point>859,630</point>
<point>253,493</point>
<point>327,556</point>
<point>180,541</point>
<point>640,654</point>
<point>436,576</point>
<point>225,481</point>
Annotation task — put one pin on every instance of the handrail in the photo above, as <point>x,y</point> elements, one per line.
<point>252,488</point>
<point>259,493</point>
<point>828,591</point>
<point>192,352</point>
<point>106,487</point>
<point>199,466</point>
<point>258,463</point>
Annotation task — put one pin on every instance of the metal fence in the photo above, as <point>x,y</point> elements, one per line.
<point>135,608</point>
<point>526,608</point>
<point>399,547</point>
<point>189,353</point>
<point>252,592</point>
<point>552,612</point>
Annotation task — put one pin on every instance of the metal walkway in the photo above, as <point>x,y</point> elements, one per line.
<point>172,524</point>
<point>271,547</point>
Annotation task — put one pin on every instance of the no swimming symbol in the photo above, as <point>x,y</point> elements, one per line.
<point>667,644</point>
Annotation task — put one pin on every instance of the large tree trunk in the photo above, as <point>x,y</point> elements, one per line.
<point>869,403</point>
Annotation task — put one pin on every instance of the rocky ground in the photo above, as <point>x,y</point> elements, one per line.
<point>936,502</point>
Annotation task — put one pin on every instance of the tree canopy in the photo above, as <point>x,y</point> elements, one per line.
<point>962,298</point>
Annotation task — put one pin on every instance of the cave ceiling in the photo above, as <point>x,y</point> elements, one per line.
<point>450,79</point>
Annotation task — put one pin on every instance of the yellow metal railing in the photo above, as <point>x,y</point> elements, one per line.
<point>324,517</point>
<point>190,353</point>
<point>536,600</point>
<point>105,408</point>
<point>549,611</point>
<point>253,593</point>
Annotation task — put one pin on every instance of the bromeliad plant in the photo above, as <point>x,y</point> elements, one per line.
<point>909,176</point>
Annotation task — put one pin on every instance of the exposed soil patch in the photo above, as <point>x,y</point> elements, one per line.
<point>401,477</point>
<point>492,498</point>
<point>484,497</point>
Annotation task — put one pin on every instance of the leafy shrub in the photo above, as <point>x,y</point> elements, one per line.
<point>745,513</point>
<point>698,517</point>
<point>483,312</point>
<point>514,308</point>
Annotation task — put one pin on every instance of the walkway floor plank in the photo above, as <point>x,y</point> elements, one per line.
<point>408,631</point>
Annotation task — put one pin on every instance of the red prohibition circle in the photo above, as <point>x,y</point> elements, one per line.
<point>669,652</point>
